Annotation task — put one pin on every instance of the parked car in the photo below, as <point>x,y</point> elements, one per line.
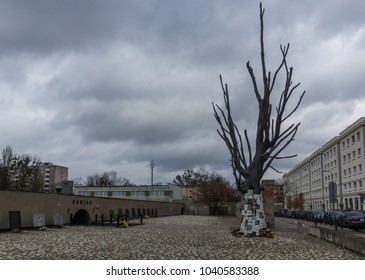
<point>331,216</point>
<point>317,215</point>
<point>354,219</point>
<point>281,213</point>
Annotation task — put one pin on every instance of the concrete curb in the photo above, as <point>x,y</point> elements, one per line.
<point>342,238</point>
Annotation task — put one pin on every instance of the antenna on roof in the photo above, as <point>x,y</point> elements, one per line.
<point>152,165</point>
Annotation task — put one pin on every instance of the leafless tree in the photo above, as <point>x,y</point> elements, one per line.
<point>107,179</point>
<point>190,178</point>
<point>214,191</point>
<point>7,157</point>
<point>249,162</point>
<point>25,169</point>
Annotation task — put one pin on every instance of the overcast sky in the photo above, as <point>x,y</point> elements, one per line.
<point>109,85</point>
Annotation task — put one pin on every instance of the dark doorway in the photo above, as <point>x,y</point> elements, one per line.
<point>81,217</point>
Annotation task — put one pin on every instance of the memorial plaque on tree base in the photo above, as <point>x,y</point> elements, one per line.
<point>252,216</point>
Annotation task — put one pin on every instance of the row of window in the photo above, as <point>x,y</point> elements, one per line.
<point>347,187</point>
<point>316,193</point>
<point>349,157</point>
<point>352,171</point>
<point>123,193</point>
<point>332,164</point>
<point>331,177</point>
<point>357,169</point>
<point>316,172</point>
<point>353,139</point>
<point>349,203</point>
<point>330,153</point>
<point>316,161</point>
<point>353,186</point>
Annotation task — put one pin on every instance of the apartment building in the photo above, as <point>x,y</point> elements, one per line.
<point>341,160</point>
<point>53,175</point>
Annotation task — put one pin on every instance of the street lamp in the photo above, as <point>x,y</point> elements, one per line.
<point>332,188</point>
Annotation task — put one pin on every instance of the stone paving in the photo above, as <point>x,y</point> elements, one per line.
<point>166,238</point>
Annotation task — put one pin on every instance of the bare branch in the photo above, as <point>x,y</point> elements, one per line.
<point>276,170</point>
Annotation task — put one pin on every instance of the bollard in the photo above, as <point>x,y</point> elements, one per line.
<point>102,220</point>
<point>96,219</point>
<point>335,221</point>
<point>118,217</point>
<point>141,219</point>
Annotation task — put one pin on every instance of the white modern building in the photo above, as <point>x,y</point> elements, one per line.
<point>341,160</point>
<point>167,193</point>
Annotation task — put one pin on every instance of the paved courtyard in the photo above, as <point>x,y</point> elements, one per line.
<point>167,238</point>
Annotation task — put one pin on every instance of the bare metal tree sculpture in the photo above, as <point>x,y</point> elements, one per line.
<point>272,137</point>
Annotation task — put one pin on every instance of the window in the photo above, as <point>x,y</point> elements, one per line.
<point>101,193</point>
<point>358,136</point>
<point>353,139</point>
<point>137,193</point>
<point>119,193</point>
<point>348,156</point>
<point>360,168</point>
<point>359,151</point>
<point>354,169</point>
<point>157,193</point>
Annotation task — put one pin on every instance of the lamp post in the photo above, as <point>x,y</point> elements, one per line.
<point>332,188</point>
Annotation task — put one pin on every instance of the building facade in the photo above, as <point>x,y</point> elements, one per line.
<point>340,161</point>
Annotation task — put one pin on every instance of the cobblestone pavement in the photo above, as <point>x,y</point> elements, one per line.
<point>167,238</point>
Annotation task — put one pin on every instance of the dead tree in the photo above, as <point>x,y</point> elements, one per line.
<point>272,135</point>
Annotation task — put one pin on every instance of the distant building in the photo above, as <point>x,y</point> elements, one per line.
<point>53,175</point>
<point>156,192</point>
<point>164,193</point>
<point>341,161</point>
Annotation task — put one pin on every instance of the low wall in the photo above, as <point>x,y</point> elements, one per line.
<point>29,203</point>
<point>342,238</point>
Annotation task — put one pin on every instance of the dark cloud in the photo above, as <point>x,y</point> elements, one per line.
<point>110,85</point>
